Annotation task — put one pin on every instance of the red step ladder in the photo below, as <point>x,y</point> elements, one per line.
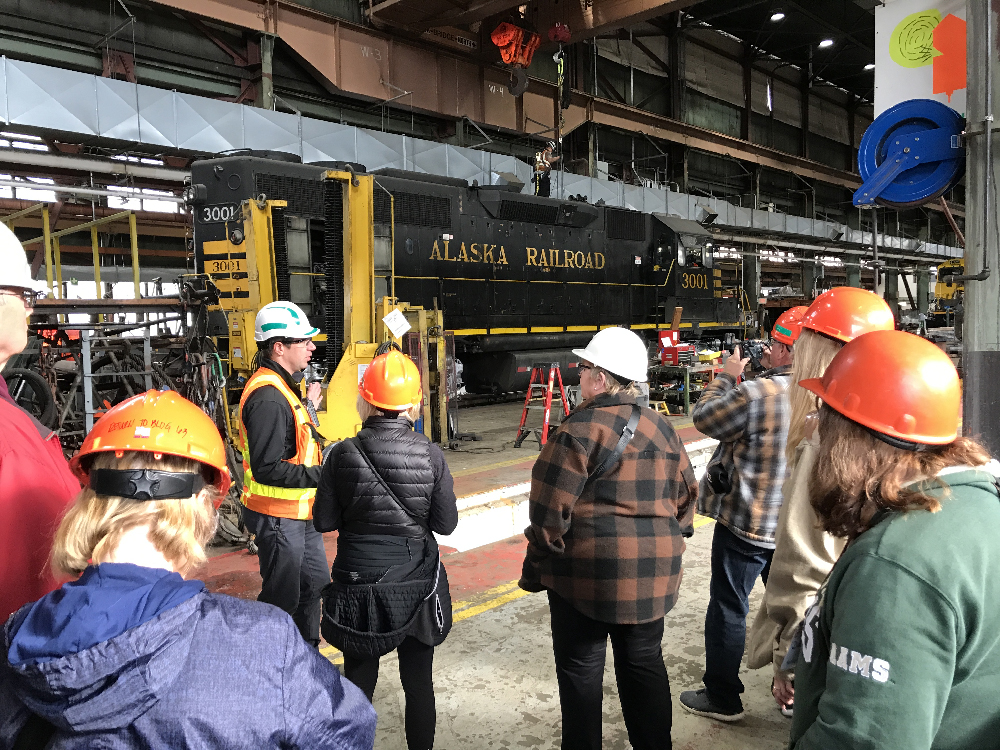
<point>539,391</point>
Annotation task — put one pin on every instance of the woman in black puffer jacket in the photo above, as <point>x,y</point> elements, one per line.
<point>386,490</point>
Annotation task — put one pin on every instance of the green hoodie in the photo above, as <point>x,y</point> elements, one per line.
<point>902,647</point>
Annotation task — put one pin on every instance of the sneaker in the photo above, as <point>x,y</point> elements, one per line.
<point>698,703</point>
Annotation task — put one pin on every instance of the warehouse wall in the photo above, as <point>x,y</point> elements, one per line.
<point>696,76</point>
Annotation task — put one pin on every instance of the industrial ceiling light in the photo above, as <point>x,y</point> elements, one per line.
<point>777,16</point>
<point>870,66</point>
<point>826,43</point>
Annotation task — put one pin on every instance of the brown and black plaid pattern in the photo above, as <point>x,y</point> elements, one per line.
<point>611,547</point>
<point>751,422</point>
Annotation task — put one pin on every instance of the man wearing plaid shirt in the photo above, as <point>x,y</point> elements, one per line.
<point>741,490</point>
<point>608,549</point>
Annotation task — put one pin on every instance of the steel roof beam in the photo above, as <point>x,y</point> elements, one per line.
<point>91,164</point>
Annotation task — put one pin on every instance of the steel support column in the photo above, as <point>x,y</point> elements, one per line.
<point>853,272</point>
<point>923,280</point>
<point>265,93</point>
<point>891,277</point>
<point>746,115</point>
<point>751,280</point>
<point>981,344</point>
<point>809,274</point>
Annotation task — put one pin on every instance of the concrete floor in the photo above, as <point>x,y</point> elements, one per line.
<point>494,675</point>
<point>497,425</point>
<point>496,687</point>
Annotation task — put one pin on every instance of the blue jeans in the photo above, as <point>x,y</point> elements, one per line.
<point>736,564</point>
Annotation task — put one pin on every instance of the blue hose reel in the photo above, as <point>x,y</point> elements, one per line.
<point>911,154</point>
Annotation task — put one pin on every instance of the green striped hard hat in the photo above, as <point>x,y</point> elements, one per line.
<point>284,319</point>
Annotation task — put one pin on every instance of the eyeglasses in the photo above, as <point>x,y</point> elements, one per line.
<point>28,296</point>
<point>294,342</point>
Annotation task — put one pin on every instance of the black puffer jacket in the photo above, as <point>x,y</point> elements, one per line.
<point>351,498</point>
<point>388,581</point>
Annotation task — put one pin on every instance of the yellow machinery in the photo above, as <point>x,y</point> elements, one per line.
<point>243,267</point>
<point>947,293</point>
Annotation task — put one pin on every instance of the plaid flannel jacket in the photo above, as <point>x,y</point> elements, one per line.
<point>750,421</point>
<point>611,547</point>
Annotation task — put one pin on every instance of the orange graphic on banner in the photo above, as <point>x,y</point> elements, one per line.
<point>949,56</point>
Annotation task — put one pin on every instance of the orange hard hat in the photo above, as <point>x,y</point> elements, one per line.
<point>161,423</point>
<point>845,312</point>
<point>895,383</point>
<point>391,382</point>
<point>788,326</point>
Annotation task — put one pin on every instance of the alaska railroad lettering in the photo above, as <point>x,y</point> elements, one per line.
<point>539,257</point>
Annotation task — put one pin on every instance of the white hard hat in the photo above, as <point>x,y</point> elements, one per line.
<point>15,270</point>
<point>619,351</point>
<point>282,319</point>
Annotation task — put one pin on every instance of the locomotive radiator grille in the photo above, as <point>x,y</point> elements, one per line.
<point>333,268</point>
<point>622,224</point>
<point>530,213</point>
<point>280,240</point>
<point>302,196</point>
<point>422,210</point>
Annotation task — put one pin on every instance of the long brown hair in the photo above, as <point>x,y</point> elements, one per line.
<point>813,353</point>
<point>856,475</point>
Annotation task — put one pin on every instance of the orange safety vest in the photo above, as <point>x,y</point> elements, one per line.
<point>282,502</point>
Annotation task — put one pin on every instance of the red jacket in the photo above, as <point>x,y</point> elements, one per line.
<point>36,485</point>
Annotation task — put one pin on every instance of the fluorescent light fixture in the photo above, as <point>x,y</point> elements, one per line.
<point>870,66</point>
<point>777,16</point>
<point>20,136</point>
<point>826,43</point>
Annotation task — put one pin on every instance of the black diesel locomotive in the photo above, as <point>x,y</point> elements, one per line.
<point>520,278</point>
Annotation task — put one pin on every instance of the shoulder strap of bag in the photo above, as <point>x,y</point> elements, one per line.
<point>35,734</point>
<point>421,522</point>
<point>627,434</point>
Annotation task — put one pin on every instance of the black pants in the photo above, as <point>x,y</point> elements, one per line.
<point>293,568</point>
<point>580,647</point>
<point>543,184</point>
<point>736,564</point>
<point>416,661</point>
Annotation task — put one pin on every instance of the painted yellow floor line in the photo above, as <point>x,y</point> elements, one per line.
<point>515,593</point>
<point>489,467</point>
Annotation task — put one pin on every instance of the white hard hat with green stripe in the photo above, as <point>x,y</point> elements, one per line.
<point>282,319</point>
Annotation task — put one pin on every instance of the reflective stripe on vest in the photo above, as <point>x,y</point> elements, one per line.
<point>282,502</point>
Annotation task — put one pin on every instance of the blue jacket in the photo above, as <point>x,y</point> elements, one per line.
<point>131,657</point>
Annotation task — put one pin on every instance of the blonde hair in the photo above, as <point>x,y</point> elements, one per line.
<point>813,354</point>
<point>94,524</point>
<point>366,410</point>
<point>612,385</point>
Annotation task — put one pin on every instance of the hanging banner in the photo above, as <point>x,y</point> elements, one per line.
<point>920,52</point>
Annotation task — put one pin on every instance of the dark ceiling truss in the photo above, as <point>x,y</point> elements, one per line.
<point>247,61</point>
<point>795,37</point>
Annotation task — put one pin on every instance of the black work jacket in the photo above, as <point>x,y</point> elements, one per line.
<point>270,428</point>
<point>353,500</point>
